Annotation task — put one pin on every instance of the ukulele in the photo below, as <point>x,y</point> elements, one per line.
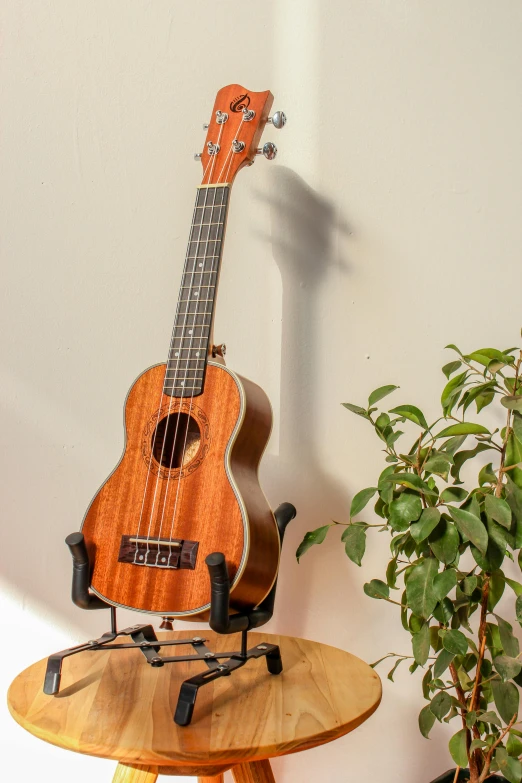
<point>186,484</point>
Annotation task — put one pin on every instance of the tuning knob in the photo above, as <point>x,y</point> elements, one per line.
<point>269,150</point>
<point>278,120</point>
<point>206,126</point>
<point>197,156</point>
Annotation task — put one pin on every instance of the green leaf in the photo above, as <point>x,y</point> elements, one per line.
<point>354,539</point>
<point>507,667</point>
<point>512,402</point>
<point>511,768</point>
<point>450,392</point>
<point>517,426</point>
<point>379,393</point>
<point>391,573</point>
<point>463,428</point>
<point>497,584</point>
<point>356,409</point>
<point>444,541</point>
<point>444,659</point>
<point>453,495</point>
<point>444,583</point>
<point>486,475</point>
<point>429,519</point>
<point>394,668</point>
<point>453,348</point>
<point>490,717</point>
<point>450,368</point>
<point>410,480</point>
<point>426,721</point>
<point>419,588</point>
<point>509,642</point>
<point>452,445</point>
<point>311,538</point>
<point>441,705</point>
<point>458,748</point>
<point>444,611</point>
<point>499,510</point>
<point>463,456</point>
<point>518,609</point>
<point>514,457</point>
<point>455,642</point>
<point>469,584</point>
<point>412,413</point>
<point>377,589</point>
<point>471,526</point>
<point>514,745</point>
<point>361,499</point>
<point>407,508</point>
<point>515,586</point>
<point>421,644</point>
<point>514,500</point>
<point>477,743</point>
<point>438,464</point>
<point>506,699</point>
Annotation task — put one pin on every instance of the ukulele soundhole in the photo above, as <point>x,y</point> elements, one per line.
<point>176,440</point>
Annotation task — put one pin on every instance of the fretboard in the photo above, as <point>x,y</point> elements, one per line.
<point>189,347</point>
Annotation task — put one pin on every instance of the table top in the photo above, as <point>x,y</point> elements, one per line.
<point>115,705</point>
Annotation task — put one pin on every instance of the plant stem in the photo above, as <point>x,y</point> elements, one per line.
<point>489,755</point>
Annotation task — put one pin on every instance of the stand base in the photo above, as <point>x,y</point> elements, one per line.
<point>144,638</point>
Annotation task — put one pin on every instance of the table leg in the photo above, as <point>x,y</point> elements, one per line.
<point>253,772</point>
<point>216,779</point>
<point>134,773</point>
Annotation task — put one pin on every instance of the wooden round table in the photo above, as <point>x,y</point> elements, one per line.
<point>114,705</point>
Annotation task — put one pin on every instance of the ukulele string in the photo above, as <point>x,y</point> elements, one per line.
<point>230,153</point>
<point>212,161</point>
<point>159,411</point>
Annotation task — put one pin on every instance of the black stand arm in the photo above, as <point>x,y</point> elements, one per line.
<point>220,619</point>
<point>80,594</point>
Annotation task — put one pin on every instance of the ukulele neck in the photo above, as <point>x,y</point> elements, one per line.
<point>190,343</point>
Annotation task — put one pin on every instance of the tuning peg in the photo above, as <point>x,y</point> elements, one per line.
<point>206,126</point>
<point>197,156</point>
<point>278,120</point>
<point>269,150</point>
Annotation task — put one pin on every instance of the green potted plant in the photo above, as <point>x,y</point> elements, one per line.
<point>449,540</point>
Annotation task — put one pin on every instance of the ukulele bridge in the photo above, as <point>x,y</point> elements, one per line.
<point>158,552</point>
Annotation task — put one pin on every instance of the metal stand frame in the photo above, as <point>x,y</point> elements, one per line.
<point>144,637</point>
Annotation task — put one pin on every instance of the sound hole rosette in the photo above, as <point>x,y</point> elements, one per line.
<point>196,455</point>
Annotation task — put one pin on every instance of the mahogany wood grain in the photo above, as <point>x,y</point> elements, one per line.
<point>216,779</point>
<point>255,772</point>
<point>113,705</point>
<point>231,99</point>
<point>205,508</point>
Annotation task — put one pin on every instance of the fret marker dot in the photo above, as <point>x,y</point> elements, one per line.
<point>182,383</point>
<point>190,331</point>
<point>197,353</point>
<point>177,353</point>
<point>196,293</point>
<point>141,557</point>
<point>200,264</point>
<point>163,559</point>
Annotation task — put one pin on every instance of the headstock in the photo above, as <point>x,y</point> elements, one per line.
<point>235,128</point>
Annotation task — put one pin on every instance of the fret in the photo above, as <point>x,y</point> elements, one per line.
<point>209,214</point>
<point>200,249</point>
<point>188,354</point>
<point>206,232</point>
<point>186,364</point>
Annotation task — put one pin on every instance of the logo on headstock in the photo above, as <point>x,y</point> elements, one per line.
<point>240,103</point>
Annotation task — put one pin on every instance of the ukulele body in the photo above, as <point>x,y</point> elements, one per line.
<point>176,496</point>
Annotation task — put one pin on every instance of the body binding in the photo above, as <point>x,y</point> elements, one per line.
<point>214,499</point>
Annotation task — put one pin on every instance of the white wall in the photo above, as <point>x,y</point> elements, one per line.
<point>389,226</point>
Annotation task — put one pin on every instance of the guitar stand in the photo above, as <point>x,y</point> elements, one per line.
<point>144,637</point>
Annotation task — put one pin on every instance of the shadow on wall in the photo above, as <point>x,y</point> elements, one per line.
<point>304,230</point>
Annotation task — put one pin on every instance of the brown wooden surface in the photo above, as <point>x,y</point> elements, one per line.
<point>135,774</point>
<point>216,779</point>
<point>224,166</point>
<point>255,772</point>
<point>114,705</point>
<point>206,509</point>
